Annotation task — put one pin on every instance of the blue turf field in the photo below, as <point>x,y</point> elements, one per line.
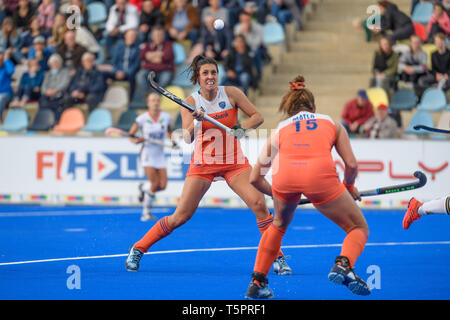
<point>412,264</point>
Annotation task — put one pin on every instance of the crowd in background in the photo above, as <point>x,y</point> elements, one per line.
<point>69,60</point>
<point>400,62</point>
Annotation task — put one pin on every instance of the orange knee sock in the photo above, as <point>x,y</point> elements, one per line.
<point>269,246</point>
<point>264,224</point>
<point>353,245</point>
<point>160,230</point>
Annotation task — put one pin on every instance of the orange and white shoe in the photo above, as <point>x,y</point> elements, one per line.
<point>412,213</point>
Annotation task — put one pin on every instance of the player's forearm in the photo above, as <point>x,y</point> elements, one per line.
<point>253,122</point>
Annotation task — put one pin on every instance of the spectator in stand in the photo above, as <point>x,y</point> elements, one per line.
<point>356,112</point>
<point>257,9</point>
<point>381,125</point>
<point>10,39</point>
<point>88,85</point>
<point>41,52</point>
<point>149,18</point>
<point>71,52</point>
<point>125,61</point>
<point>10,6</point>
<point>439,22</point>
<point>183,22</point>
<point>56,82</point>
<point>253,34</point>
<point>233,7</point>
<point>27,38</point>
<point>213,43</point>
<point>157,56</point>
<point>413,64</point>
<point>30,85</point>
<point>395,21</point>
<point>238,65</point>
<point>440,65</point>
<point>23,14</point>
<point>214,9</point>
<point>46,14</point>
<point>384,67</point>
<point>6,72</point>
<point>285,11</point>
<point>122,17</point>
<point>83,36</point>
<point>446,4</point>
<point>59,29</point>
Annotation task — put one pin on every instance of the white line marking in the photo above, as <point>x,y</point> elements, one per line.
<point>77,212</point>
<point>302,246</point>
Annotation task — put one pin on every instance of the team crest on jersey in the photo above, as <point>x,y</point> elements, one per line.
<point>222,104</point>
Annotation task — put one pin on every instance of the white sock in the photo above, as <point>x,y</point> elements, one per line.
<point>148,199</point>
<point>436,206</point>
<point>146,186</point>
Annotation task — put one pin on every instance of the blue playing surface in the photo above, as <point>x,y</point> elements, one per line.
<point>211,256</point>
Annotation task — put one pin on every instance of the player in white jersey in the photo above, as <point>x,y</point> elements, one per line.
<point>154,124</point>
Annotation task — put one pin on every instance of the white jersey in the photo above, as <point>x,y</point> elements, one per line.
<point>152,155</point>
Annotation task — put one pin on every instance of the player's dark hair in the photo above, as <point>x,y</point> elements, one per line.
<point>297,99</point>
<point>197,63</point>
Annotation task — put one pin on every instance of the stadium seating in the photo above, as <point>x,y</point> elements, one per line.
<point>377,96</point>
<point>420,31</point>
<point>422,117</point>
<point>169,105</point>
<point>97,13</point>
<point>99,120</point>
<point>126,120</point>
<point>422,12</point>
<point>273,34</point>
<point>433,100</point>
<point>71,121</point>
<point>429,48</point>
<point>274,38</point>
<point>179,52</point>
<point>116,97</point>
<point>403,99</point>
<point>16,120</point>
<point>43,121</point>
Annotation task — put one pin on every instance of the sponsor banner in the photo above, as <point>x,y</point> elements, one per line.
<point>97,170</point>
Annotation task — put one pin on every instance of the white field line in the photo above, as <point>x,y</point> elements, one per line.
<point>304,246</point>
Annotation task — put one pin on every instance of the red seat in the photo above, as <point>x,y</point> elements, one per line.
<point>420,31</point>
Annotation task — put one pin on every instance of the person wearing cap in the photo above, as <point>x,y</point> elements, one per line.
<point>41,52</point>
<point>381,125</point>
<point>6,72</point>
<point>356,112</point>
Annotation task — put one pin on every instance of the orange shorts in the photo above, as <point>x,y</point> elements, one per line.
<point>210,171</point>
<point>319,194</point>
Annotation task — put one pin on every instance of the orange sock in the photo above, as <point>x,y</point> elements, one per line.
<point>263,225</point>
<point>353,245</point>
<point>269,246</point>
<point>160,230</point>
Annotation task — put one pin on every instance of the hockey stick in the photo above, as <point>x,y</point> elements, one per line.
<point>419,126</point>
<point>114,132</point>
<point>184,104</point>
<point>391,189</point>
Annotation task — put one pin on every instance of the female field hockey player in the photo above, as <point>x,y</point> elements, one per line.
<point>216,154</point>
<point>154,124</point>
<point>300,155</point>
<point>417,209</point>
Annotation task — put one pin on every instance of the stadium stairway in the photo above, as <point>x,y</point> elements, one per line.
<point>329,52</point>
